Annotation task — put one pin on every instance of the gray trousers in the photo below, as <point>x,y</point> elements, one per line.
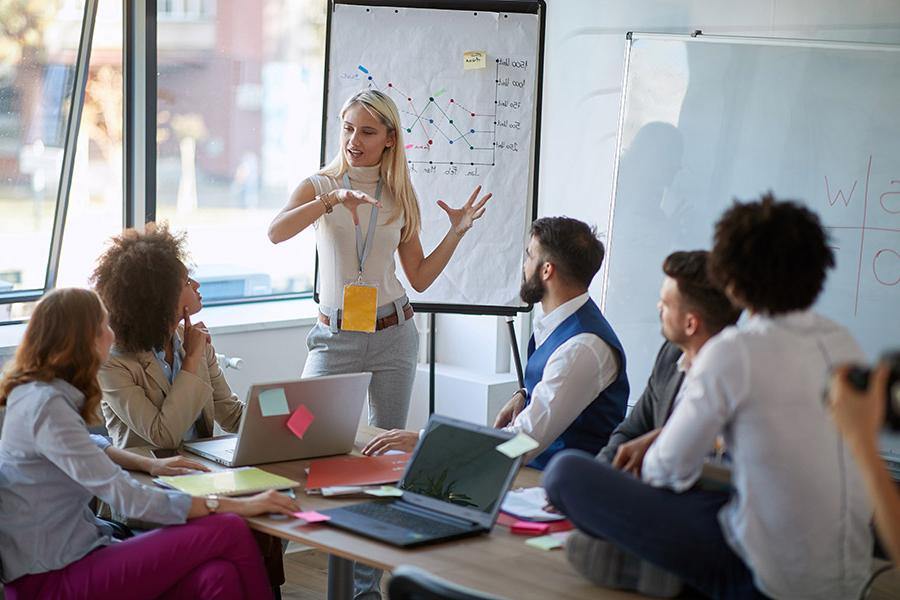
<point>390,355</point>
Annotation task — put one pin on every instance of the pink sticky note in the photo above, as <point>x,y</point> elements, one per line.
<point>300,421</point>
<point>312,516</point>
<point>529,528</point>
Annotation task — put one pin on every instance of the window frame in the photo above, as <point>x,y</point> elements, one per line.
<point>73,126</point>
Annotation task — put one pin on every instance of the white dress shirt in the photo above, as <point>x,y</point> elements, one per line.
<point>799,516</point>
<point>575,374</point>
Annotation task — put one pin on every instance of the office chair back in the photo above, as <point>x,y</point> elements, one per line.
<point>412,583</point>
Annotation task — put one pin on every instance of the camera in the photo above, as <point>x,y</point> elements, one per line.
<point>859,378</point>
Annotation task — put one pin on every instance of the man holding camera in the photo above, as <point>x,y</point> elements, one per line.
<point>859,414</point>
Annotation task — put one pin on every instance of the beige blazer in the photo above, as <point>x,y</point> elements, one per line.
<point>140,407</point>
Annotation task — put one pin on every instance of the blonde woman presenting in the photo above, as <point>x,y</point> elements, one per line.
<point>364,209</point>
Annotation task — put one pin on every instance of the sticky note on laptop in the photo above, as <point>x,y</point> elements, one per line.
<point>474,59</point>
<point>273,403</point>
<point>300,421</point>
<point>517,446</point>
<point>385,491</point>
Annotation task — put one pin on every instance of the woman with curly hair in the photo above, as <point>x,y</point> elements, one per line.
<point>162,383</point>
<point>50,467</point>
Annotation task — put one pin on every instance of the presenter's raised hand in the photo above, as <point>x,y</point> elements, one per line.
<point>462,218</point>
<point>352,199</point>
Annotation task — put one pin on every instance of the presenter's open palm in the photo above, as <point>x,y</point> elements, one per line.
<point>462,218</point>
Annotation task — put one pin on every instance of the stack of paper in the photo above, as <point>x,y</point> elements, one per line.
<point>528,504</point>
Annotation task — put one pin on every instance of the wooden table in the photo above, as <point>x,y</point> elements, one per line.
<point>499,563</point>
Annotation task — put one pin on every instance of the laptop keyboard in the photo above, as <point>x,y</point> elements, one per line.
<point>384,513</point>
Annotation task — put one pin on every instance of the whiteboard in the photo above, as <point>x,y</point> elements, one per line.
<point>461,128</point>
<point>706,120</point>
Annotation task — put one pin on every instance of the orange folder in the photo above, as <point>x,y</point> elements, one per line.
<point>356,470</point>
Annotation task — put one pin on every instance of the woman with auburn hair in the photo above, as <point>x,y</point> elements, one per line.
<point>50,468</point>
<point>162,383</point>
<point>365,209</point>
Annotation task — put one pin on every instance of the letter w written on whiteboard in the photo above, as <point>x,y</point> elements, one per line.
<point>840,194</point>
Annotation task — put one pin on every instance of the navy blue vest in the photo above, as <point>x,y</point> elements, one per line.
<point>591,429</point>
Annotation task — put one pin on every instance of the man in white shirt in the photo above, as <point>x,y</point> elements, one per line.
<point>796,524</point>
<point>575,384</point>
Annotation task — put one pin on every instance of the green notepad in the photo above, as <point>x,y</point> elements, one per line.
<point>232,482</point>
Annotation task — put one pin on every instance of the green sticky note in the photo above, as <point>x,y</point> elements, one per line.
<point>385,491</point>
<point>273,403</point>
<point>544,542</point>
<point>517,446</point>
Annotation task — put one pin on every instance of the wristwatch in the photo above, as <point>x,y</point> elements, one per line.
<point>212,503</point>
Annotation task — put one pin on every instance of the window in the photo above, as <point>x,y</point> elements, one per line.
<point>239,124</point>
<point>39,44</point>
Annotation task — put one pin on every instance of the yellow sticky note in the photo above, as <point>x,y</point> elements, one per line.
<point>385,491</point>
<point>360,306</point>
<point>545,542</point>
<point>517,446</point>
<point>474,59</point>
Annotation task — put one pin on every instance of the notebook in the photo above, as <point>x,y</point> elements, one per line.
<point>232,482</point>
<point>356,471</point>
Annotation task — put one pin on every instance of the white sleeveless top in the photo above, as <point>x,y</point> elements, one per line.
<point>336,241</point>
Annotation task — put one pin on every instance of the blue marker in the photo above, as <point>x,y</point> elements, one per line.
<point>363,69</point>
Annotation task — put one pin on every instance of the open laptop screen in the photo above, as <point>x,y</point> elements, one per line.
<point>457,464</point>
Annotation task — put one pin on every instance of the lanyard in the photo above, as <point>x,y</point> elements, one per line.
<point>364,246</point>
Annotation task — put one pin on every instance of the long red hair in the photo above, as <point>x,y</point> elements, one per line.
<point>61,343</point>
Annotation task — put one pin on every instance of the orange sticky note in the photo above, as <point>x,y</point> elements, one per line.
<point>312,516</point>
<point>300,421</point>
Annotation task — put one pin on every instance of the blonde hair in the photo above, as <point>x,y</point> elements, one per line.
<point>394,170</point>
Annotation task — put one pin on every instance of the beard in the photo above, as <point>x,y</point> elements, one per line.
<point>532,290</point>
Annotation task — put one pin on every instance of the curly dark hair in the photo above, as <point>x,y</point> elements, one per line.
<point>771,255</point>
<point>688,269</point>
<point>139,278</point>
<point>572,246</point>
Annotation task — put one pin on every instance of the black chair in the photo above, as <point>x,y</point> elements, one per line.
<point>412,583</point>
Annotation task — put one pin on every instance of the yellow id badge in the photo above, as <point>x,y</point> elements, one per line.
<point>360,307</point>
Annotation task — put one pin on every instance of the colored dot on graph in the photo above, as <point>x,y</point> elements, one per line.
<point>472,148</point>
<point>410,100</point>
<point>451,141</point>
<point>430,142</point>
<point>431,99</point>
<point>473,114</point>
<point>451,100</point>
<point>431,120</point>
<point>409,131</point>
<point>390,85</point>
<point>370,78</point>
<point>471,131</point>
<point>473,164</point>
<point>451,121</point>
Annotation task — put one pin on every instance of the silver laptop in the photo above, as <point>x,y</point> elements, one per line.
<point>335,401</point>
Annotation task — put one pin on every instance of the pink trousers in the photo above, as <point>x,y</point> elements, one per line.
<point>212,557</point>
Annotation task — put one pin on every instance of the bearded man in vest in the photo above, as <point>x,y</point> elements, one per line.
<point>575,389</point>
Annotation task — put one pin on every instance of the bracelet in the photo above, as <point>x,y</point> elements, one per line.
<point>329,208</point>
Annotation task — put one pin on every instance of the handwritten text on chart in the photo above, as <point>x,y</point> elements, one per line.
<point>884,259</point>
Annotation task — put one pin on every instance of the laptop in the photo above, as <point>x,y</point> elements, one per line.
<point>453,486</point>
<point>335,401</point>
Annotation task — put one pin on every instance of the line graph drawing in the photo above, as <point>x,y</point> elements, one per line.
<point>440,129</point>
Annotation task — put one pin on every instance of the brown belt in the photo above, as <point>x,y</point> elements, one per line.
<point>382,323</point>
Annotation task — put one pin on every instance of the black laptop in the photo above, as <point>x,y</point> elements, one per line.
<point>453,487</point>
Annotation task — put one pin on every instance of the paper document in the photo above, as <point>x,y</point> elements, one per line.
<point>230,482</point>
<point>528,503</point>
